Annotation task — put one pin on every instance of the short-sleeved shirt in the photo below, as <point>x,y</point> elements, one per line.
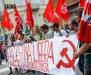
<point>87,56</point>
<point>61,32</point>
<point>49,35</point>
<point>43,36</point>
<point>19,42</point>
<point>40,36</point>
<point>12,44</point>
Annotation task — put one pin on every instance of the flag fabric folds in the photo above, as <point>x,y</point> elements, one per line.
<point>50,13</point>
<point>29,15</point>
<point>82,3</point>
<point>6,22</point>
<point>85,24</point>
<point>19,22</point>
<point>62,10</point>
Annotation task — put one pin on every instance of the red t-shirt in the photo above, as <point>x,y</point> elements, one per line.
<point>1,48</point>
<point>84,33</point>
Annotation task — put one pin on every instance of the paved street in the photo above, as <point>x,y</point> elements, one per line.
<point>4,70</point>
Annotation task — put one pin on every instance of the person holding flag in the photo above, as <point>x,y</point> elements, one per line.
<point>85,36</point>
<point>77,17</point>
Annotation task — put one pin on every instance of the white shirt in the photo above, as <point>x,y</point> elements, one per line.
<point>59,33</point>
<point>63,32</point>
<point>55,34</point>
<point>19,42</point>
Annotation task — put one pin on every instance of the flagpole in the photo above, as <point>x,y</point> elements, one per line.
<point>54,14</point>
<point>60,19</point>
<point>63,24</point>
<point>54,11</point>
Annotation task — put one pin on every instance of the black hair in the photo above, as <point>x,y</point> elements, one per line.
<point>55,25</point>
<point>36,26</point>
<point>22,35</point>
<point>78,11</point>
<point>12,37</point>
<point>45,26</point>
<point>74,22</point>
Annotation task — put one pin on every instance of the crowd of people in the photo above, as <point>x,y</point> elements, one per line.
<point>45,32</point>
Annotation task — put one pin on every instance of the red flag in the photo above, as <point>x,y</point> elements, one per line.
<point>18,20</point>
<point>50,13</point>
<point>16,35</point>
<point>85,24</point>
<point>6,22</point>
<point>29,15</point>
<point>82,3</point>
<point>62,10</point>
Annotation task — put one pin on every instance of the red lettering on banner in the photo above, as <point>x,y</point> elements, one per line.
<point>43,52</point>
<point>51,54</point>
<point>47,68</point>
<point>35,60</point>
<point>40,66</point>
<point>39,48</point>
<point>11,63</point>
<point>10,54</point>
<point>17,53</point>
<point>18,63</point>
<point>30,65</point>
<point>43,48</point>
<point>27,56</point>
<point>27,52</point>
<point>46,50</point>
<point>22,53</point>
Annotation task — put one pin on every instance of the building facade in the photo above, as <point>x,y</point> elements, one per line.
<point>38,7</point>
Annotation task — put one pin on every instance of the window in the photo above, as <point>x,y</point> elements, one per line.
<point>46,1</point>
<point>18,2</point>
<point>71,15</point>
<point>43,1</point>
<point>37,1</point>
<point>23,2</point>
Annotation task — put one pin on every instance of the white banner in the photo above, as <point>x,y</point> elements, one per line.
<point>53,56</point>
